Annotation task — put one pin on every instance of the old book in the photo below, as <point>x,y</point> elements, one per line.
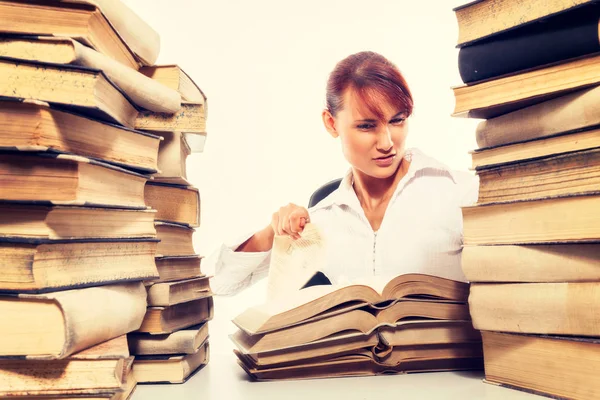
<point>64,222</point>
<point>555,366</point>
<point>499,96</point>
<point>171,293</point>
<point>136,33</point>
<point>184,341</point>
<point>85,90</point>
<point>82,22</point>
<point>102,368</point>
<point>358,323</point>
<point>190,118</point>
<point>483,18</point>
<point>359,365</point>
<point>56,325</point>
<point>532,263</point>
<point>546,308</point>
<point>564,114</point>
<point>144,92</point>
<point>568,35</point>
<point>175,239</point>
<point>36,127</point>
<point>390,357</point>
<point>170,369</point>
<point>174,268</point>
<point>161,320</point>
<point>325,300</point>
<point>536,149</point>
<point>41,265</point>
<point>179,204</point>
<point>172,155</point>
<point>561,219</point>
<point>172,76</point>
<point>61,179</point>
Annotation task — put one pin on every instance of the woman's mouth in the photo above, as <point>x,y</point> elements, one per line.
<point>385,161</point>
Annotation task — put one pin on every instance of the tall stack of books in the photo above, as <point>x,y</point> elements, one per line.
<point>172,342</point>
<point>411,323</point>
<point>77,238</point>
<point>532,251</point>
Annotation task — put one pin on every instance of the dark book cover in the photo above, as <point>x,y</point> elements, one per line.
<point>553,40</point>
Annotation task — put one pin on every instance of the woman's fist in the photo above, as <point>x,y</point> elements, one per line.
<point>290,220</point>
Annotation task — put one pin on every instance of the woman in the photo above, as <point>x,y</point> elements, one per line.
<point>396,210</point>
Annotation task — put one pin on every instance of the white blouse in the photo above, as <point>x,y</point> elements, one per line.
<point>421,231</point>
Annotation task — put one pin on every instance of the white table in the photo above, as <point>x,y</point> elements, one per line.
<point>223,379</point>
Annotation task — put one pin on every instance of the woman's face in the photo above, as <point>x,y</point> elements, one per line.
<point>371,144</point>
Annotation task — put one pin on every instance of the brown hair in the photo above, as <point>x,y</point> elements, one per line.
<point>371,76</point>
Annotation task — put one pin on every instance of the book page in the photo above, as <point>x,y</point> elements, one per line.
<point>294,262</point>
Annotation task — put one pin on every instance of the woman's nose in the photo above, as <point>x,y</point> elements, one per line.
<point>384,140</point>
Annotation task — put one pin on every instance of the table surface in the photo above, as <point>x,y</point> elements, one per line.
<point>222,378</point>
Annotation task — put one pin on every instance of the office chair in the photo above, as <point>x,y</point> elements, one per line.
<point>323,192</point>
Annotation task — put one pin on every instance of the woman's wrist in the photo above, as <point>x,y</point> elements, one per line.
<point>259,242</point>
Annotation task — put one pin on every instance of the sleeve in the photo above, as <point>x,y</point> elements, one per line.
<point>469,189</point>
<point>235,271</point>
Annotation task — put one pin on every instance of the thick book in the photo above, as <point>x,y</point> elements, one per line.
<point>397,331</point>
<point>84,90</point>
<point>170,293</point>
<point>62,179</point>
<point>572,173</point>
<point>499,96</point>
<point>184,341</point>
<point>31,265</point>
<point>82,22</point>
<point>565,114</point>
<point>553,220</point>
<point>56,325</point>
<point>537,149</point>
<point>175,268</point>
<point>532,263</point>
<point>35,126</point>
<point>101,369</point>
<point>554,366</point>
<point>569,35</point>
<point>175,239</point>
<point>172,155</point>
<point>170,368</point>
<point>359,365</point>
<point>320,301</point>
<point>140,37</point>
<point>190,119</point>
<point>484,18</point>
<point>567,308</point>
<point>143,91</point>
<point>172,76</point>
<point>178,204</point>
<point>21,221</point>
<point>161,320</point>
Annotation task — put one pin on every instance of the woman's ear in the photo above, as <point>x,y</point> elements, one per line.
<point>329,123</point>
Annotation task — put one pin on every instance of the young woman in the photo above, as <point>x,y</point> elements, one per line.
<point>396,210</point>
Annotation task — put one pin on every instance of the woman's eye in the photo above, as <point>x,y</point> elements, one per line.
<point>365,127</point>
<point>398,121</point>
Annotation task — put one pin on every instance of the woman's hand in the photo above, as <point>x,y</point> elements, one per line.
<point>290,220</point>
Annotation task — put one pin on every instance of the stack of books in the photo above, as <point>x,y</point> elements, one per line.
<point>172,342</point>
<point>411,323</point>
<point>77,234</point>
<point>532,247</point>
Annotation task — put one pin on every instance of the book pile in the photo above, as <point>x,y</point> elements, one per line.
<point>411,323</point>
<point>172,342</point>
<point>532,247</point>
<point>77,235</point>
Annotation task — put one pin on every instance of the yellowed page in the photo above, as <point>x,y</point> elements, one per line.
<point>294,262</point>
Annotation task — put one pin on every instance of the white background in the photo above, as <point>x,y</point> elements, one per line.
<point>263,65</point>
